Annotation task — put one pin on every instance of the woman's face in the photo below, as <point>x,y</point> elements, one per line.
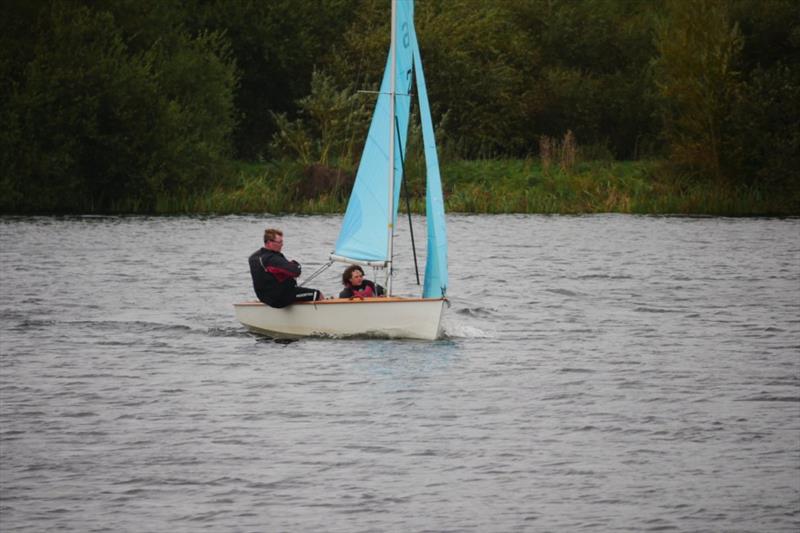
<point>355,277</point>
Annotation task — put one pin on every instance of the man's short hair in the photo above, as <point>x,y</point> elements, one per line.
<point>270,234</point>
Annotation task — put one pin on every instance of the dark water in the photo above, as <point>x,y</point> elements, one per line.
<point>599,373</point>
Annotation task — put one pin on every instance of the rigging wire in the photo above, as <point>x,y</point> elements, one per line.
<point>408,201</point>
<point>319,271</point>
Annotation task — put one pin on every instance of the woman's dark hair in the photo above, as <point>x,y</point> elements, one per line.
<point>349,272</point>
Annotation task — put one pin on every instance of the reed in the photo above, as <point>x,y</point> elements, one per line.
<point>562,185</point>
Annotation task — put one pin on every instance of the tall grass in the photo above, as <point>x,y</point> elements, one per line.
<point>502,186</point>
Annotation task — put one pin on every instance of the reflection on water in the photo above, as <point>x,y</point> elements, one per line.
<point>600,372</point>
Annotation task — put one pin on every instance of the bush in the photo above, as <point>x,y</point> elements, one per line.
<point>93,127</point>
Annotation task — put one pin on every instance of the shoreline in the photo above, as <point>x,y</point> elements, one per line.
<point>497,186</point>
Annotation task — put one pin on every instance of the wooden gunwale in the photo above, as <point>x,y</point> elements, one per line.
<point>373,300</point>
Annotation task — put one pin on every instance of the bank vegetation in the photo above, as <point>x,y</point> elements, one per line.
<point>541,106</point>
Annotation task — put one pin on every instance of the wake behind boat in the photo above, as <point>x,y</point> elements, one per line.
<point>367,233</point>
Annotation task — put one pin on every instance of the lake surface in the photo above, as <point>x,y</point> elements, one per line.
<point>598,373</point>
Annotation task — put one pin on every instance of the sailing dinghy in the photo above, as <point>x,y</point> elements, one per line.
<point>367,233</point>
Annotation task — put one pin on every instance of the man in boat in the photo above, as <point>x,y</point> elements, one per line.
<point>274,275</point>
<point>356,286</point>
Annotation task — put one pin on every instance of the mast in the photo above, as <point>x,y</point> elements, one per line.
<point>390,228</point>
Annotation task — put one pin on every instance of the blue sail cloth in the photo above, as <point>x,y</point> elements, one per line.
<point>436,264</point>
<point>365,234</point>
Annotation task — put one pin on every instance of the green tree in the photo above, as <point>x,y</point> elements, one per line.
<point>330,128</point>
<point>502,74</point>
<point>697,49</point>
<point>588,70</point>
<point>468,49</point>
<point>277,45</point>
<point>96,127</point>
<point>764,146</point>
<point>75,89</point>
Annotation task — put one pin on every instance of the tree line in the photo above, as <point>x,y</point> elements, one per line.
<point>109,104</point>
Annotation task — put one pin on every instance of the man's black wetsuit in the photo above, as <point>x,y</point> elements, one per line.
<point>274,279</point>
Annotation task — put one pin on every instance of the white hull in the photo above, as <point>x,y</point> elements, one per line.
<point>409,318</point>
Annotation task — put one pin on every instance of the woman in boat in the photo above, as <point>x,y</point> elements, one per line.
<point>356,286</point>
<point>274,275</point>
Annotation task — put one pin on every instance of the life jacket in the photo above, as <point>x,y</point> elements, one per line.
<point>366,292</point>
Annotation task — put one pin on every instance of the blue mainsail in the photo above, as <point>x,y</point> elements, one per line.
<point>364,236</point>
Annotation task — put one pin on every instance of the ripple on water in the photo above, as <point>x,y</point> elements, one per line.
<point>620,373</point>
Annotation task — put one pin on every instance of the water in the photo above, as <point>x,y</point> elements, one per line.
<point>598,373</point>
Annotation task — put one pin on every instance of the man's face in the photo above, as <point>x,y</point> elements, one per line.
<point>275,244</point>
